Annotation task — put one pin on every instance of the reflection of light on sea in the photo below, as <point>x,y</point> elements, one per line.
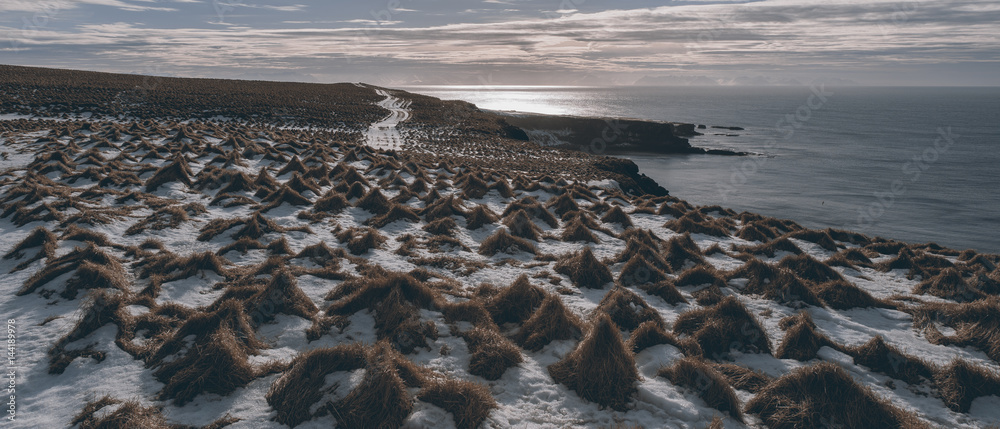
<point>549,100</point>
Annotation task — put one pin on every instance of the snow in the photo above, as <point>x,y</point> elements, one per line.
<point>383,134</point>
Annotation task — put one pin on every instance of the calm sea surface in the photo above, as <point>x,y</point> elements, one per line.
<point>915,164</point>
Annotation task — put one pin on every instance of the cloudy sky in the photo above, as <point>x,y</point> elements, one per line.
<point>598,42</point>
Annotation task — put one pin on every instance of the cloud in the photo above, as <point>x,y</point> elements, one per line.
<point>759,37</point>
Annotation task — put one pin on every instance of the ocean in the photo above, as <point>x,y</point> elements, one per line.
<point>918,164</point>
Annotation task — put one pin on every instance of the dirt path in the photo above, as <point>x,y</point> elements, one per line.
<point>383,134</point>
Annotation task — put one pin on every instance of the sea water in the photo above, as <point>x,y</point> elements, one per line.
<point>918,164</point>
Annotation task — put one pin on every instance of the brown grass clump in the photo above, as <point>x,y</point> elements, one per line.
<point>821,238</point>
<point>176,171</point>
<point>601,369</point>
<point>395,300</point>
<point>374,202</point>
<point>242,245</point>
<point>743,378</point>
<point>516,303</point>
<point>443,207</point>
<point>502,242</point>
<point>823,394</point>
<point>976,324</point>
<point>332,202</point>
<point>294,393</point>
<point>100,308</point>
<point>562,204</point>
<point>129,414</point>
<point>637,271</point>
<point>492,353</point>
<point>666,290</point>
<point>843,295</point>
<point>479,216</point>
<point>627,309</point>
<point>214,362</point>
<point>397,212</point>
<point>727,325</point>
<point>520,225</point>
<point>778,284</point>
<point>91,264</point>
<point>889,360</point>
<point>961,382</point>
<point>551,322</point>
<point>361,240</point>
<point>577,231</point>
<point>753,231</point>
<point>584,270</point>
<point>39,237</point>
<point>445,225</point>
<point>681,249</point>
<point>771,248</point>
<point>700,275</point>
<point>281,296</point>
<point>533,208</point>
<point>690,224</point>
<point>649,334</point>
<point>709,384</point>
<point>618,216</point>
<point>802,339</point>
<point>469,403</point>
<point>949,284</point>
<point>808,268</point>
<point>381,400</point>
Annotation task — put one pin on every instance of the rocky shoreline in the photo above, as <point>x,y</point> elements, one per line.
<point>612,135</point>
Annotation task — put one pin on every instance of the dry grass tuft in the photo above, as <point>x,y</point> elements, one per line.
<point>298,390</point>
<point>627,309</point>
<point>680,250</point>
<point>445,225</point>
<point>397,212</point>
<point>843,295</point>
<point>949,284</point>
<point>533,208</point>
<point>129,414</point>
<point>395,300</point>
<point>889,360</point>
<point>552,321</point>
<point>479,216</point>
<point>176,171</point>
<point>976,324</point>
<point>443,207</point>
<point>361,240</point>
<point>491,352</point>
<point>743,378</point>
<point>374,202</point>
<point>808,268</point>
<point>725,326</point>
<point>91,264</point>
<point>469,403</point>
<point>39,237</point>
<point>710,385</point>
<point>520,225</point>
<point>601,369</point>
<point>962,382</point>
<point>666,290</point>
<point>700,275</point>
<point>381,400</point>
<point>690,223</point>
<point>802,339</point>
<point>281,296</point>
<point>649,334</point>
<point>516,303</point>
<point>576,230</point>
<point>638,271</point>
<point>618,216</point>
<point>502,242</point>
<point>584,269</point>
<point>824,394</point>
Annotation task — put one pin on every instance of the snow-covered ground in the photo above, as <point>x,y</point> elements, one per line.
<point>526,394</point>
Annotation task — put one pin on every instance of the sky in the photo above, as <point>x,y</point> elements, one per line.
<point>515,42</point>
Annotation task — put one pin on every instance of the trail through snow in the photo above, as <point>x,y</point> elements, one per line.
<point>383,134</point>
